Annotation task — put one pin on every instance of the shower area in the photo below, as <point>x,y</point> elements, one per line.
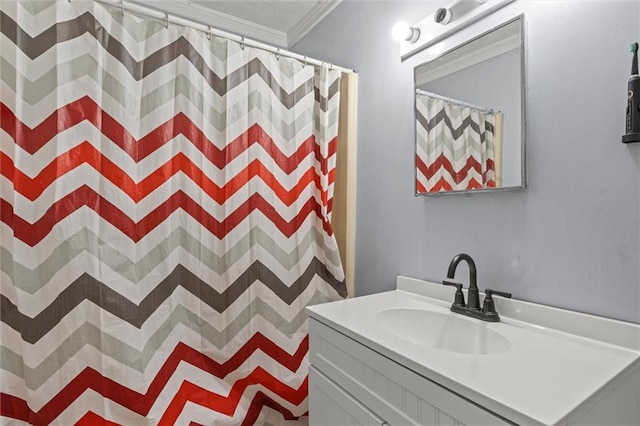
<point>166,201</point>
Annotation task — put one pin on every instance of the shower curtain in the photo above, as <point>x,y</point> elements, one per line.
<point>455,148</point>
<point>165,218</point>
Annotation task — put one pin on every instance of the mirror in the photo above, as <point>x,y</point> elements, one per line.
<point>469,105</point>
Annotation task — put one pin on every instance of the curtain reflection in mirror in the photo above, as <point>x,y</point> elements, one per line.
<point>459,146</point>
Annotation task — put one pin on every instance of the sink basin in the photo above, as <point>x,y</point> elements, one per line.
<point>446,332</point>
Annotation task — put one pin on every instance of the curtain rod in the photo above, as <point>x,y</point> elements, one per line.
<point>178,20</point>
<point>454,101</point>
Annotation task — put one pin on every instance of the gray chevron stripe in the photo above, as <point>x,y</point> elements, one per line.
<point>87,24</point>
<point>60,74</point>
<point>333,90</point>
<point>32,280</point>
<point>429,125</point>
<point>444,139</point>
<point>88,288</point>
<point>89,334</point>
<point>86,65</point>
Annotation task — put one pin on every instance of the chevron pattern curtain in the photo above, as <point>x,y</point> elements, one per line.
<point>165,218</point>
<point>455,146</point>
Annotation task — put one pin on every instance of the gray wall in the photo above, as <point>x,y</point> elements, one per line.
<point>573,238</point>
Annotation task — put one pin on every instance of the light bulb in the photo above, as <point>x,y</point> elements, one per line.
<point>401,31</point>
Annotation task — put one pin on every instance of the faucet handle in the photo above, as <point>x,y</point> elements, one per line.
<point>488,306</point>
<point>459,297</point>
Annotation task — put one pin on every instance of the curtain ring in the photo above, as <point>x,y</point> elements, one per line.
<point>242,43</point>
<point>278,54</point>
<point>166,19</point>
<point>304,61</point>
<point>121,7</point>
<point>330,66</point>
<point>208,32</point>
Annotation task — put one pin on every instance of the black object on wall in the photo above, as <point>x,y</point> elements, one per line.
<point>632,131</point>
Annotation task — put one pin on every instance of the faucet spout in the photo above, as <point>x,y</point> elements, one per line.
<point>474,297</point>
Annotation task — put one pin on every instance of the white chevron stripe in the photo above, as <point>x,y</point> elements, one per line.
<point>459,163</point>
<point>137,292</point>
<point>137,338</point>
<point>91,357</point>
<point>84,132</point>
<point>139,44</point>
<point>33,117</point>
<point>87,176</point>
<point>202,415</point>
<point>181,255</point>
<point>32,256</point>
<point>70,49</point>
<point>32,211</point>
<point>140,382</point>
<point>198,338</point>
<point>186,372</point>
<point>93,401</point>
<point>36,305</point>
<point>210,104</point>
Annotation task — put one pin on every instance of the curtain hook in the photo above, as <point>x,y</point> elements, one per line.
<point>166,19</point>
<point>304,61</point>
<point>208,32</point>
<point>278,54</point>
<point>330,66</point>
<point>242,42</point>
<point>122,7</point>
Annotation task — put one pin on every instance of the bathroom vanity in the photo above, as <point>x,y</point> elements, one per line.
<point>402,357</point>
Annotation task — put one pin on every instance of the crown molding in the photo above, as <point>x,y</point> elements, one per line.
<point>219,20</point>
<point>310,20</point>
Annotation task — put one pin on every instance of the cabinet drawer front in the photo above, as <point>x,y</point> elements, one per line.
<point>329,405</point>
<point>393,392</point>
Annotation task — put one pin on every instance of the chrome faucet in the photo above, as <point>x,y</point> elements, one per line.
<point>488,312</point>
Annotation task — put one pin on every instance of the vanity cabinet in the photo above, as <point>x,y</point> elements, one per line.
<point>539,366</point>
<point>350,384</point>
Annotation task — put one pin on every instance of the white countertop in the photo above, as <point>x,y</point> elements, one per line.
<point>548,376</point>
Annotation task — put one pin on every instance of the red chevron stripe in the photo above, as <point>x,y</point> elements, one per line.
<point>85,109</point>
<point>440,186</point>
<point>31,234</point>
<point>92,419</point>
<point>443,162</point>
<point>89,378</point>
<point>260,400</point>
<point>85,153</point>
<point>443,185</point>
<point>189,392</point>
<point>457,176</point>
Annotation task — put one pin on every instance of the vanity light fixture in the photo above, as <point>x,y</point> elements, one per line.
<point>401,31</point>
<point>444,22</point>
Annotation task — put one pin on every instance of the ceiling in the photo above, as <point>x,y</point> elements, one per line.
<point>281,23</point>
